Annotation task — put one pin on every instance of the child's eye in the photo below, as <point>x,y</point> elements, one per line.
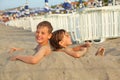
<point>42,33</point>
<point>67,35</point>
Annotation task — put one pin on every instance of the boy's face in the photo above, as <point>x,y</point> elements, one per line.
<point>66,41</point>
<point>42,35</point>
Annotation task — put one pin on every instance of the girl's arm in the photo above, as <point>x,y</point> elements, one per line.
<point>75,54</point>
<point>81,47</point>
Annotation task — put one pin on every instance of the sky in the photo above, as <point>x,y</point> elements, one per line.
<point>7,4</point>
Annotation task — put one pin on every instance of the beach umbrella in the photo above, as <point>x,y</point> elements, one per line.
<point>67,5</point>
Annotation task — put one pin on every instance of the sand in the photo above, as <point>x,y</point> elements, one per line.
<point>58,65</point>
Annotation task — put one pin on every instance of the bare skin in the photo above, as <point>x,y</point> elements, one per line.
<point>33,59</point>
<point>81,47</point>
<point>77,51</point>
<point>15,49</point>
<point>43,49</point>
<point>100,52</point>
<point>65,42</point>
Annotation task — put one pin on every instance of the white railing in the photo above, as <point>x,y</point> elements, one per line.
<point>88,24</point>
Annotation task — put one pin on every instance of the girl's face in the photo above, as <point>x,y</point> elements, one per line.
<point>42,35</point>
<point>66,40</point>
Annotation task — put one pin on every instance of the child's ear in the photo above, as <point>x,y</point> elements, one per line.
<point>50,35</point>
<point>61,43</point>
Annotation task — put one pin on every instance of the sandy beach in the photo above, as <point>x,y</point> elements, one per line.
<point>56,66</point>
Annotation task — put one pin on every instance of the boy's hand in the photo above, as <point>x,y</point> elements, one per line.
<point>14,58</point>
<point>14,49</point>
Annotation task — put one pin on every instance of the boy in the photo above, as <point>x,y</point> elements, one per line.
<point>42,35</point>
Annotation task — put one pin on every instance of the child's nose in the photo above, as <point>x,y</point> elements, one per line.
<point>39,34</point>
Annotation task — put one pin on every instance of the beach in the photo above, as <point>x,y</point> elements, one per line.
<point>57,65</point>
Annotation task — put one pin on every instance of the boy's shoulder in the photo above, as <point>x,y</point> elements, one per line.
<point>45,47</point>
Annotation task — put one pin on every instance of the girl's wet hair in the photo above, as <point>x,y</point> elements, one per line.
<point>45,24</point>
<point>57,36</point>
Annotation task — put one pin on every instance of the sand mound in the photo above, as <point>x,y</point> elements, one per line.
<point>56,66</point>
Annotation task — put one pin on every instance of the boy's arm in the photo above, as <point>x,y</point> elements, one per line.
<point>31,59</point>
<point>14,49</point>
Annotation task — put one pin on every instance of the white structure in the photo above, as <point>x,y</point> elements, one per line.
<point>46,5</point>
<point>68,1</point>
<point>89,24</point>
<point>114,2</point>
<point>111,2</point>
<point>81,5</point>
<point>99,3</point>
<point>26,8</point>
<point>117,2</point>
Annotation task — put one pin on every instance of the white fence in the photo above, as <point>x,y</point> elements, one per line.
<point>88,24</point>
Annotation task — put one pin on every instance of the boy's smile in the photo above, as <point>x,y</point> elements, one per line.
<point>42,35</point>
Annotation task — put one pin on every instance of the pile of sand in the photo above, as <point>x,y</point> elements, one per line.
<point>56,66</point>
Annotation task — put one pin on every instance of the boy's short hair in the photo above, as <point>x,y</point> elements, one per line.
<point>45,24</point>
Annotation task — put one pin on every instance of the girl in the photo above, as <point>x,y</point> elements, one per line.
<point>61,40</point>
